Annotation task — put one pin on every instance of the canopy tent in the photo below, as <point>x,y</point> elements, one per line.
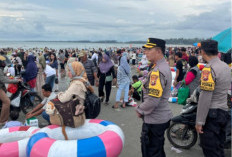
<point>224,40</point>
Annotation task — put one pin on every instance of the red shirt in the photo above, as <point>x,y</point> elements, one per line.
<point>185,57</point>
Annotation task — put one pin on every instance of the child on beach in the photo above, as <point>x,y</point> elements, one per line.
<point>14,116</point>
<point>136,88</point>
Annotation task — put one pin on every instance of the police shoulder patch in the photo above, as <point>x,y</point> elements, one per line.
<point>207,81</point>
<point>155,87</point>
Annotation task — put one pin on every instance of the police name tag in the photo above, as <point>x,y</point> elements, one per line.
<point>207,82</point>
<point>155,88</point>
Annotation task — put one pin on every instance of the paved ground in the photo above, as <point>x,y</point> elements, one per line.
<point>131,126</point>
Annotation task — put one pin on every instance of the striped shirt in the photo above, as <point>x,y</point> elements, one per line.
<point>90,68</point>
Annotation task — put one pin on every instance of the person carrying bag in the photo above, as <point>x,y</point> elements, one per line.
<point>183,94</point>
<point>68,108</point>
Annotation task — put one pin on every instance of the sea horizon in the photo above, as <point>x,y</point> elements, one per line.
<point>75,44</point>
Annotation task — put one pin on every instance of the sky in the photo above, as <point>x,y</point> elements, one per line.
<point>121,20</point>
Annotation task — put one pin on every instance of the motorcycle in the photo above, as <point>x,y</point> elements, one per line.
<point>22,98</point>
<point>182,132</point>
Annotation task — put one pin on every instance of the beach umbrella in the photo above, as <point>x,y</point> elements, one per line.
<point>224,40</point>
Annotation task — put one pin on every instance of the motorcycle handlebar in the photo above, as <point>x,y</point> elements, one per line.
<point>24,85</point>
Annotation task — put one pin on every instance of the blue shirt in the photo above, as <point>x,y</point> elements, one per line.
<point>54,64</point>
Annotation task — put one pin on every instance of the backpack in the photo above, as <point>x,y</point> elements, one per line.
<point>92,105</point>
<point>137,94</point>
<point>64,113</point>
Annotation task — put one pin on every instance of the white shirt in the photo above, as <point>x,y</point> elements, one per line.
<point>47,99</point>
<point>94,56</point>
<point>11,70</point>
<point>144,61</point>
<point>19,60</point>
<point>49,71</point>
<point>133,56</point>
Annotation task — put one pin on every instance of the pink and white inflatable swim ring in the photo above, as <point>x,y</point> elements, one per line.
<point>96,138</point>
<point>13,141</point>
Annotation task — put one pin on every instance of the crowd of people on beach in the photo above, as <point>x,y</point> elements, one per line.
<point>42,69</point>
<point>104,69</point>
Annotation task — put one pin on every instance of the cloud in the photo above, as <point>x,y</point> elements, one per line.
<point>120,20</point>
<point>208,22</point>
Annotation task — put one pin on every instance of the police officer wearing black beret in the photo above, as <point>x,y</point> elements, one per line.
<point>212,115</point>
<point>154,110</point>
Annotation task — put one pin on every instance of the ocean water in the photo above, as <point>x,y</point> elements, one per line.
<point>62,45</point>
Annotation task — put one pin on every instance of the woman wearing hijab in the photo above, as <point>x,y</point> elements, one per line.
<point>41,64</point>
<point>123,81</point>
<point>106,75</point>
<point>31,72</point>
<point>78,87</point>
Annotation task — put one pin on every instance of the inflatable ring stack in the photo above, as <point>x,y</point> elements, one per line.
<point>172,88</point>
<point>173,69</point>
<point>96,138</point>
<point>173,75</point>
<point>13,141</point>
<point>173,78</point>
<point>173,99</point>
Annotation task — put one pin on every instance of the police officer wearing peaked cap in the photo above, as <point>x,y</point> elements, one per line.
<point>212,115</point>
<point>154,110</point>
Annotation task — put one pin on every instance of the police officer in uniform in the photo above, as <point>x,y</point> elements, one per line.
<point>154,109</point>
<point>212,109</point>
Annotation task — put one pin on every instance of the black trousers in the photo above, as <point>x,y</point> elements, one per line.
<point>133,61</point>
<point>107,85</point>
<point>91,80</point>
<point>136,96</point>
<point>152,139</point>
<point>17,69</point>
<point>213,138</point>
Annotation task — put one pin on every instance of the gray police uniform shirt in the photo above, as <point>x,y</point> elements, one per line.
<point>156,110</point>
<point>216,99</point>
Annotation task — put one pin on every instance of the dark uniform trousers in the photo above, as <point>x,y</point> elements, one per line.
<point>152,139</point>
<point>214,133</point>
